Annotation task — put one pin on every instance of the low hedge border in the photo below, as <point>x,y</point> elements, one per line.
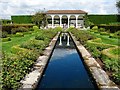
<point>17,48</point>
<point>6,39</point>
<point>107,53</point>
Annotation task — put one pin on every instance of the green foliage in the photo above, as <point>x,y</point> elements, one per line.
<point>6,39</point>
<point>15,49</point>
<point>103,19</point>
<point>95,28</point>
<point>15,67</point>
<point>19,29</point>
<point>8,27</point>
<point>31,29</point>
<point>104,33</point>
<point>118,4</point>
<point>102,29</point>
<point>34,44</point>
<point>22,19</point>
<point>19,34</point>
<point>4,34</point>
<point>40,18</point>
<point>82,36</point>
<point>108,28</point>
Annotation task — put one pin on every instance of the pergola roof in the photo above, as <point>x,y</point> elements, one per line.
<point>66,12</point>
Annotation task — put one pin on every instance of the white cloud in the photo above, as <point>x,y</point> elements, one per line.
<point>18,7</point>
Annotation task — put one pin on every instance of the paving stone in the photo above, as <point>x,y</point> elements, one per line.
<point>83,51</point>
<point>47,52</point>
<point>91,62</point>
<point>100,76</point>
<point>42,58</point>
<point>31,78</point>
<point>109,88</point>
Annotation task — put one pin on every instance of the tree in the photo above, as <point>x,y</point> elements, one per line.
<point>40,19</point>
<point>118,5</point>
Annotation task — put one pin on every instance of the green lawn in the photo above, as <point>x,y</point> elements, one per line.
<point>106,39</point>
<point>6,46</point>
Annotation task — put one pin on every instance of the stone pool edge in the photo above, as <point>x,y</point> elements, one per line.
<point>31,80</point>
<point>100,76</point>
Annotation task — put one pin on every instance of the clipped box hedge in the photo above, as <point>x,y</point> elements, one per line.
<point>111,60</point>
<point>9,27</point>
<point>6,39</point>
<point>16,49</point>
<point>112,28</point>
<point>100,46</point>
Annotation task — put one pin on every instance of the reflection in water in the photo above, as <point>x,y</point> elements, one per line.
<point>65,70</point>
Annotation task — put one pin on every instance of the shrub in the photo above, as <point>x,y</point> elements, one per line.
<point>20,29</point>
<point>37,45</point>
<point>99,40</point>
<point>113,36</point>
<point>95,28</point>
<point>4,34</point>
<point>102,29</point>
<point>117,33</point>
<point>35,28</point>
<point>104,33</point>
<point>58,28</point>
<point>19,34</point>
<point>40,37</point>
<point>6,39</point>
<point>16,49</point>
<point>31,29</point>
<point>15,67</point>
<point>111,60</point>
<point>82,36</point>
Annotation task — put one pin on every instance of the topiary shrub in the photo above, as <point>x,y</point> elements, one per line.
<point>104,33</point>
<point>95,28</point>
<point>19,34</point>
<point>102,29</point>
<point>16,49</point>
<point>6,39</point>
<point>99,40</point>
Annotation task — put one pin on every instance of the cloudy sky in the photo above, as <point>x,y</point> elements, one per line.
<point>24,7</point>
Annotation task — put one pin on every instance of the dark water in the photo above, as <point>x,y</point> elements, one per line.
<point>65,70</point>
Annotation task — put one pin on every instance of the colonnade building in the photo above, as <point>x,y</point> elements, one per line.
<point>65,18</point>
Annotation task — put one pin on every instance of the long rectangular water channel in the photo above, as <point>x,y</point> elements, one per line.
<point>65,69</point>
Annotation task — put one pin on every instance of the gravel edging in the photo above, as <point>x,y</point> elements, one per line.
<point>101,78</point>
<point>31,80</point>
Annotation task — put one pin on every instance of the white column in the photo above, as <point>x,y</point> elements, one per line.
<point>60,20</point>
<point>52,21</point>
<point>60,43</point>
<point>68,42</point>
<point>68,21</point>
<point>76,21</point>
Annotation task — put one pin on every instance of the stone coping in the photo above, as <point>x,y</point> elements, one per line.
<point>31,80</point>
<point>100,76</point>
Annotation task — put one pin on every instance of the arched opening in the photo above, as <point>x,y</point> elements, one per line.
<point>72,21</point>
<point>56,21</point>
<point>64,21</point>
<point>80,21</point>
<point>49,20</point>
